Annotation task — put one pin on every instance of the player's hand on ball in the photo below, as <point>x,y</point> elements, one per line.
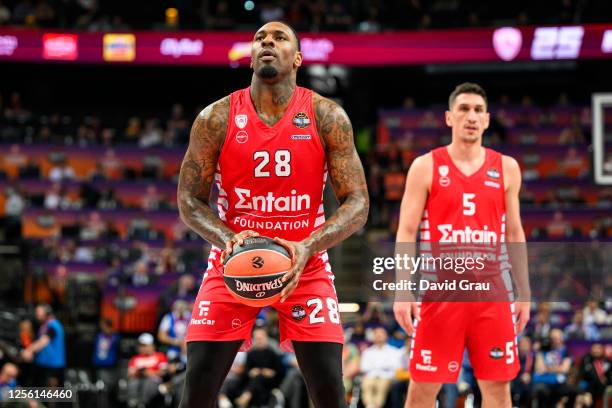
<point>522,315</point>
<point>299,256</point>
<point>237,239</point>
<point>405,312</point>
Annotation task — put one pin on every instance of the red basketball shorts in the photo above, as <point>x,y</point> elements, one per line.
<point>445,329</point>
<point>309,314</point>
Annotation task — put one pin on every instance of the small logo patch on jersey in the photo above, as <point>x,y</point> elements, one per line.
<point>301,137</point>
<point>242,136</point>
<point>241,121</point>
<point>301,120</point>
<point>493,184</point>
<point>493,173</point>
<point>298,313</point>
<point>443,171</point>
<point>496,353</point>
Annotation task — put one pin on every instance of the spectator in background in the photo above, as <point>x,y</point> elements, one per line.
<point>578,329</point>
<point>596,372</point>
<point>593,314</point>
<point>15,110</point>
<point>56,198</point>
<point>14,160</point>
<point>151,200</point>
<point>48,351</point>
<point>172,330</point>
<point>552,367</point>
<point>5,14</point>
<point>292,390</point>
<point>151,135</point>
<point>106,353</point>
<point>184,288</point>
<point>8,378</point>
<point>541,324</point>
<point>350,365</point>
<point>132,131</point>
<point>145,371</point>
<point>112,165</point>
<point>94,227</point>
<point>233,384</point>
<point>61,171</point>
<point>263,371</point>
<point>141,275</point>
<point>558,227</point>
<point>378,365</point>
<point>14,207</point>
<point>337,17</point>
<point>521,386</point>
<point>399,387</point>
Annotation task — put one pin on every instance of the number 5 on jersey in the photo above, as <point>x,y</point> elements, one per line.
<point>469,207</point>
<point>282,160</point>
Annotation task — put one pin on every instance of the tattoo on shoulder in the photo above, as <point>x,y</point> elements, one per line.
<point>333,123</point>
<point>207,136</point>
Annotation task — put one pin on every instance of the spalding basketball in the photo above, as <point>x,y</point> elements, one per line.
<point>253,271</point>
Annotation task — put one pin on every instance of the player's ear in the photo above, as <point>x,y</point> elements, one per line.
<point>297,62</point>
<point>447,118</point>
<point>487,120</point>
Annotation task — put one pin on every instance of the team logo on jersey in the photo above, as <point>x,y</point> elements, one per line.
<point>241,121</point>
<point>496,353</point>
<point>242,136</point>
<point>301,137</point>
<point>443,171</point>
<point>298,313</point>
<point>301,120</point>
<point>493,173</point>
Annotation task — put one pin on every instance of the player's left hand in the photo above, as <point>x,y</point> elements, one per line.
<point>299,256</point>
<point>522,315</point>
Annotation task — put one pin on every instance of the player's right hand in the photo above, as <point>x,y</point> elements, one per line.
<point>237,239</point>
<point>405,313</point>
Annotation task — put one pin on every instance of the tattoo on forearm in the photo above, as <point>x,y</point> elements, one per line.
<point>198,172</point>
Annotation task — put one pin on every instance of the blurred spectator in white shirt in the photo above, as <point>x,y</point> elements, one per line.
<point>378,365</point>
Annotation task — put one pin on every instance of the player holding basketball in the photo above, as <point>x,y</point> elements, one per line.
<point>269,148</point>
<point>457,191</point>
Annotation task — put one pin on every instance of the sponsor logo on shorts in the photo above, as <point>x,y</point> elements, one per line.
<point>257,262</point>
<point>426,366</point>
<point>298,313</point>
<point>301,120</point>
<point>453,366</point>
<point>496,353</point>
<point>236,323</point>
<point>242,136</point>
<point>241,121</point>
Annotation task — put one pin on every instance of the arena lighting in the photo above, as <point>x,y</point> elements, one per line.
<point>348,307</point>
<point>249,5</point>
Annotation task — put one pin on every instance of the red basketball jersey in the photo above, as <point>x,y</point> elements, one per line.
<point>468,212</point>
<point>462,209</point>
<point>271,178</point>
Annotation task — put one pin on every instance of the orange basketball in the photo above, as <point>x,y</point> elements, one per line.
<point>253,271</point>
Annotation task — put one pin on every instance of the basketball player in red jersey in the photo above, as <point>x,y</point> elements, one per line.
<point>464,193</point>
<point>268,148</point>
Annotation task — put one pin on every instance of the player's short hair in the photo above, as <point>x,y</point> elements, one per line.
<point>297,37</point>
<point>466,88</point>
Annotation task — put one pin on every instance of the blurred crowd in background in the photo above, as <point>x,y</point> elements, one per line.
<point>313,16</point>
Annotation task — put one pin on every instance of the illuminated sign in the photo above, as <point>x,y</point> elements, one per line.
<point>119,47</point>
<point>507,42</point>
<point>8,43</point>
<point>556,43</point>
<point>239,51</point>
<point>60,47</point>
<point>178,47</point>
<point>317,49</point>
<point>606,43</point>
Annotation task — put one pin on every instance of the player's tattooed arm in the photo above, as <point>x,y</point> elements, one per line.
<point>198,172</point>
<point>346,175</point>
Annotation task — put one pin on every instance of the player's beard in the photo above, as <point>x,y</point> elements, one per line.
<point>267,72</point>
